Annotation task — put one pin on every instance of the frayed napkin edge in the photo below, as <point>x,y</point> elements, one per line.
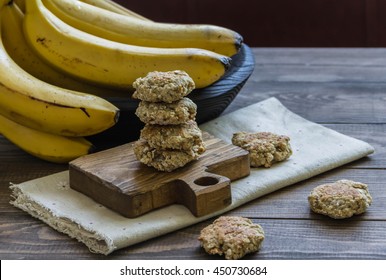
<point>96,242</point>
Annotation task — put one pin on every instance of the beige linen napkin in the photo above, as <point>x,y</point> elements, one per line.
<point>316,150</point>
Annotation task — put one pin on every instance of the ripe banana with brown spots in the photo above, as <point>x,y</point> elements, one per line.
<point>110,63</point>
<point>34,103</point>
<point>134,31</point>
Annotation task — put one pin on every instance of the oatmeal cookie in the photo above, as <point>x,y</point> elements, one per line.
<point>232,236</point>
<point>162,160</point>
<point>341,199</point>
<point>178,112</point>
<point>185,137</point>
<point>163,86</point>
<point>265,148</point>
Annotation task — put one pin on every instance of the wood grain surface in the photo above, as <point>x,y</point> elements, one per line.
<point>343,89</point>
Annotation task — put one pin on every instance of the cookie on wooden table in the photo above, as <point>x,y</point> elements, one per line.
<point>232,236</point>
<point>163,86</point>
<point>161,113</point>
<point>265,148</point>
<point>341,199</point>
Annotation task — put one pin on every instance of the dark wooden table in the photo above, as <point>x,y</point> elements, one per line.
<point>343,89</point>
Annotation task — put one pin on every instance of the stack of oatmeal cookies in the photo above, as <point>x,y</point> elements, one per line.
<point>170,138</point>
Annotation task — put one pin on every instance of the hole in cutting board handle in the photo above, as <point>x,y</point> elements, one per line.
<point>206,181</point>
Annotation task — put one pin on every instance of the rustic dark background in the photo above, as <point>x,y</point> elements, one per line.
<point>280,23</point>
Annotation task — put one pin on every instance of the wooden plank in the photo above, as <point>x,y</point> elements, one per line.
<point>290,73</point>
<point>24,237</point>
<point>305,239</point>
<point>324,57</point>
<point>360,103</point>
<point>291,202</point>
<point>285,239</point>
<point>343,81</point>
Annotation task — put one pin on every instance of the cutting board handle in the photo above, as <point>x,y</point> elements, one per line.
<point>203,192</point>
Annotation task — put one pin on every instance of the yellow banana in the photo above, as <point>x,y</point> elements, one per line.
<point>19,50</point>
<point>110,63</point>
<point>129,30</point>
<point>36,104</point>
<point>104,4</point>
<point>114,7</point>
<point>49,147</point>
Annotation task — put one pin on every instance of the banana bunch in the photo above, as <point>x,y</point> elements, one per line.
<point>45,120</point>
<point>110,63</point>
<point>59,59</point>
<point>134,31</point>
<point>19,50</point>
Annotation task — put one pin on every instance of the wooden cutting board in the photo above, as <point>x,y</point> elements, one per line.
<point>117,180</point>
